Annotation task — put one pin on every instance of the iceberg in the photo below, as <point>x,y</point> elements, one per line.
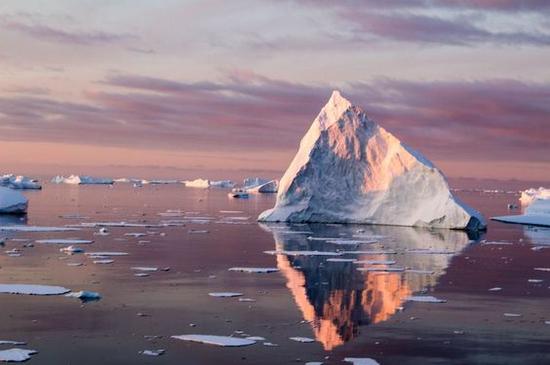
<point>536,214</point>
<point>529,195</point>
<point>82,180</point>
<point>266,188</point>
<point>252,182</point>
<point>12,202</point>
<point>19,182</point>
<point>222,184</point>
<point>348,169</point>
<point>197,183</point>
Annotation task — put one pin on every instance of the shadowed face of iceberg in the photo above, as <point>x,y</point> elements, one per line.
<point>345,277</point>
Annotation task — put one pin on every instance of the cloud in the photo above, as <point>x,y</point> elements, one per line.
<point>32,27</point>
<point>495,120</point>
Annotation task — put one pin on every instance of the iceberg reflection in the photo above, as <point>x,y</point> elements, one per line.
<point>338,296</point>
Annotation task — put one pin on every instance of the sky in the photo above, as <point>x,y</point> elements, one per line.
<point>228,88</point>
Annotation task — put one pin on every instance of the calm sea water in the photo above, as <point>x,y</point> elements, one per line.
<point>348,312</point>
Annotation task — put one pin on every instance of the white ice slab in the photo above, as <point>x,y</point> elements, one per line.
<point>425,299</point>
<point>32,289</point>
<point>302,339</point>
<point>361,361</point>
<point>225,341</point>
<point>16,355</point>
<point>225,294</point>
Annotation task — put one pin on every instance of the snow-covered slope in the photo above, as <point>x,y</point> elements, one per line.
<point>349,169</point>
<point>19,182</point>
<point>12,202</point>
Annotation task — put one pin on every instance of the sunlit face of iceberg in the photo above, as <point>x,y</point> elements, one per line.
<point>339,296</point>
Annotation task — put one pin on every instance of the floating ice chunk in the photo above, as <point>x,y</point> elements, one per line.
<point>368,176</point>
<point>535,281</point>
<point>225,341</point>
<point>314,363</point>
<point>135,234</point>
<point>536,214</point>
<point>302,339</point>
<point>145,268</point>
<point>369,252</point>
<point>13,343</point>
<point>231,211</point>
<point>117,224</point>
<point>197,183</point>
<point>61,241</point>
<point>270,344</point>
<point>255,338</point>
<point>249,300</point>
<point>198,231</point>
<point>222,184</point>
<point>302,253</point>
<point>265,188</point>
<point>158,352</point>
<point>74,264</point>
<point>103,261</point>
<point>542,268</point>
<point>71,250</point>
<point>425,299</point>
<point>12,202</point>
<point>431,252</point>
<point>107,253</point>
<point>254,182</point>
<point>84,295</point>
<point>225,294</point>
<point>361,361</point>
<point>82,180</point>
<point>19,182</point>
<point>512,315</point>
<point>496,288</point>
<point>21,228</point>
<point>16,355</point>
<point>257,270</point>
<point>141,274</point>
<point>32,289</point>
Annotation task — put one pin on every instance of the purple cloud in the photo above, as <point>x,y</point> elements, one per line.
<point>498,120</point>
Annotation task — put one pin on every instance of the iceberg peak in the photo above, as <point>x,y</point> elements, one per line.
<point>349,169</point>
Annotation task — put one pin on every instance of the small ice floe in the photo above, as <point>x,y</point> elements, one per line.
<point>145,268</point>
<point>103,261</point>
<point>13,343</point>
<point>514,315</point>
<point>302,339</point>
<point>141,274</point>
<point>107,253</point>
<point>116,224</point>
<point>255,338</point>
<point>254,270</point>
<point>425,299</point>
<point>270,344</point>
<point>70,250</point>
<point>361,361</point>
<point>231,211</point>
<point>542,268</point>
<point>302,253</point>
<point>16,355</point>
<point>84,295</point>
<point>342,241</point>
<point>225,294</point>
<point>135,234</point>
<point>153,352</point>
<point>66,241</point>
<point>21,228</point>
<point>338,259</point>
<point>496,288</point>
<point>496,243</point>
<point>225,341</point>
<point>248,300</point>
<point>32,289</point>
<point>314,363</point>
<point>535,281</point>
<point>74,264</point>
<point>375,262</point>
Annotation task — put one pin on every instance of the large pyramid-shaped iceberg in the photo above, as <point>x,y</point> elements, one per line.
<point>350,170</point>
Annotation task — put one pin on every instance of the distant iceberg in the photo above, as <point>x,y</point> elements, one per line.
<point>197,183</point>
<point>12,202</point>
<point>537,212</point>
<point>19,182</point>
<point>82,180</point>
<point>350,170</point>
<point>252,182</point>
<point>222,184</point>
<point>268,187</point>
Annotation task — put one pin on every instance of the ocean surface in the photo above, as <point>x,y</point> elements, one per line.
<point>355,309</point>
